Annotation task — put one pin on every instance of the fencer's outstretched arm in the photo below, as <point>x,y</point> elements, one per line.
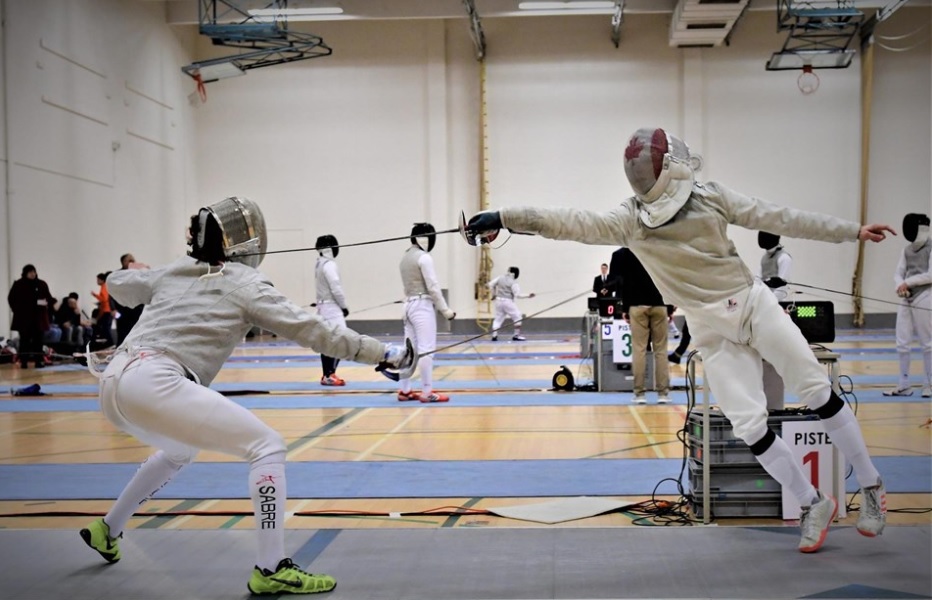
<point>585,226</point>
<point>761,215</point>
<point>875,232</point>
<point>133,286</point>
<point>516,292</point>
<point>272,311</point>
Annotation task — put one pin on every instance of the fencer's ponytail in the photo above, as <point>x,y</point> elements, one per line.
<point>206,239</point>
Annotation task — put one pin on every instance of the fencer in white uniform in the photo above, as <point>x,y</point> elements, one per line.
<point>155,387</point>
<point>423,298</point>
<point>775,264</point>
<point>505,290</point>
<point>914,314</point>
<point>677,227</point>
<point>331,301</point>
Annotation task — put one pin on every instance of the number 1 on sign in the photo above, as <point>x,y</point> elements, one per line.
<point>813,459</point>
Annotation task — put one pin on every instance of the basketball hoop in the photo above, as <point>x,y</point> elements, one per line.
<point>201,88</point>
<point>807,81</point>
<point>199,95</point>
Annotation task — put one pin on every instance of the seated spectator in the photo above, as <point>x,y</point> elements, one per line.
<point>75,330</point>
<point>52,335</point>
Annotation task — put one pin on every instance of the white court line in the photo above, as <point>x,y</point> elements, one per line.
<point>321,438</point>
<point>176,523</point>
<point>298,508</point>
<point>643,426</point>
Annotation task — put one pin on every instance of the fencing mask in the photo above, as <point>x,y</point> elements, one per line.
<point>913,223</point>
<point>514,271</point>
<point>767,241</point>
<point>658,169</point>
<point>232,229</point>
<point>427,235</point>
<point>328,246</point>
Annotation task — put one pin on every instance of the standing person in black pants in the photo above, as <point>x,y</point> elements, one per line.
<point>677,355</point>
<point>128,315</point>
<point>30,299</point>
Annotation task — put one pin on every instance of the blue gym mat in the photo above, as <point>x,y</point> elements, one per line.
<point>408,479</point>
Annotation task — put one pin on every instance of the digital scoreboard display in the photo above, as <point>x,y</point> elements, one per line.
<point>815,319</point>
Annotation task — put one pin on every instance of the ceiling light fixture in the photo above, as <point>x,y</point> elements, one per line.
<point>568,5</point>
<point>295,12</point>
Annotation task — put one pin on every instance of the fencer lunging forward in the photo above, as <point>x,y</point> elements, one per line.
<point>914,314</point>
<point>423,298</point>
<point>331,301</point>
<point>505,290</point>
<point>156,386</point>
<point>677,227</point>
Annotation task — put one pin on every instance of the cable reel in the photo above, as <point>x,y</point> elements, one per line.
<point>563,380</point>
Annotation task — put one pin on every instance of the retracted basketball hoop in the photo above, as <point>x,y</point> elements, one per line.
<point>201,88</point>
<point>206,72</point>
<point>807,81</point>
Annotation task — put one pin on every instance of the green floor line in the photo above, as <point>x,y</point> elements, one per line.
<point>323,429</point>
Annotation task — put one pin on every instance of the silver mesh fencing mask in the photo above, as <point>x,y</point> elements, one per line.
<point>658,168</point>
<point>242,228</point>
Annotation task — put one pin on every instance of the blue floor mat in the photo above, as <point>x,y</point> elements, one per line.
<point>409,479</point>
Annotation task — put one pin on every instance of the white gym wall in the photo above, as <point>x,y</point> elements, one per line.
<point>105,155</point>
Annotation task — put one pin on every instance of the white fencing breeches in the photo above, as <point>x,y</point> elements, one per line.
<point>913,318</point>
<point>420,323</point>
<point>505,308</point>
<point>149,396</point>
<point>732,339</point>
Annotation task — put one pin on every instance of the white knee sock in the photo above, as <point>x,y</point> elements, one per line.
<point>845,432</point>
<point>904,370</point>
<point>268,492</point>
<point>426,367</point>
<point>150,477</point>
<point>927,366</point>
<point>778,461</point>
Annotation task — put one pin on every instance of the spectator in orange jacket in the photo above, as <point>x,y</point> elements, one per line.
<point>104,313</point>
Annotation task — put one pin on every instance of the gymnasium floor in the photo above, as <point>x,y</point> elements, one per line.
<point>398,500</point>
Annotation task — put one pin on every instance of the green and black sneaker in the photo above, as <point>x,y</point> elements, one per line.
<point>288,578</point>
<point>97,536</point>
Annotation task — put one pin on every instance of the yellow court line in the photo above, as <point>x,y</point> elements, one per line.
<point>321,438</point>
<point>395,429</point>
<point>176,523</point>
<point>645,431</point>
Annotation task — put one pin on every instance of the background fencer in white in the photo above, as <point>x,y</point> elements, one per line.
<point>423,297</point>
<point>913,279</point>
<point>677,227</point>
<point>331,301</point>
<point>196,311</point>
<point>505,290</point>
<point>775,264</point>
